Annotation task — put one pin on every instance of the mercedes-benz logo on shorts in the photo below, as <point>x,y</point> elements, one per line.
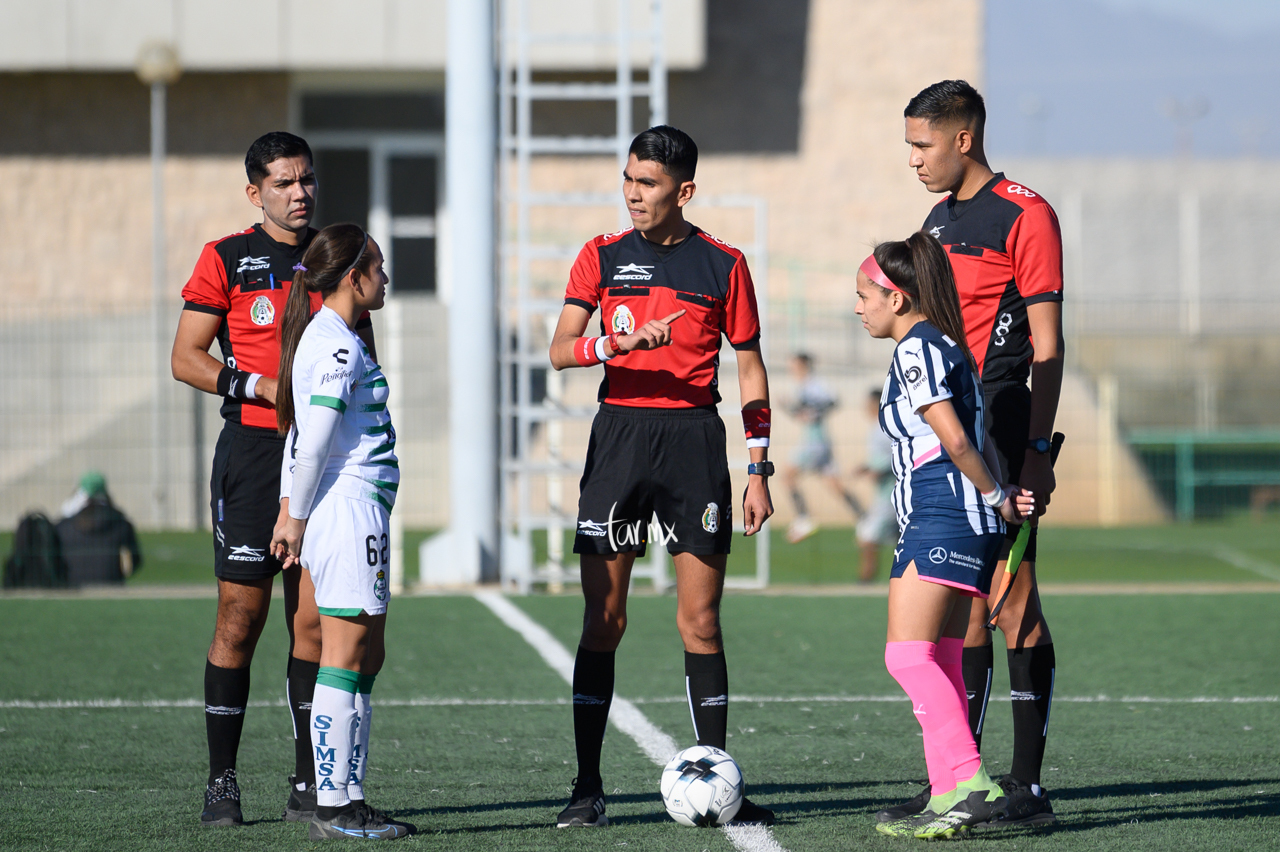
<point>938,555</point>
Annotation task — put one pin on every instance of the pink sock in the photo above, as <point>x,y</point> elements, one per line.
<point>939,710</point>
<point>948,657</point>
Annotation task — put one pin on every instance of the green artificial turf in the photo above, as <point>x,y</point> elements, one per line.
<point>1158,773</point>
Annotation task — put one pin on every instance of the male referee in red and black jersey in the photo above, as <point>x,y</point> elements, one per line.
<point>236,296</point>
<point>666,292</point>
<point>1006,252</point>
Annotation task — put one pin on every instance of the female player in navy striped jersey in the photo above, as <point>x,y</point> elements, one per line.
<point>951,511</point>
<point>338,484</point>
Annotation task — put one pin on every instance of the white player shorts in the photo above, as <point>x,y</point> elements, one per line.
<point>874,525</point>
<point>346,547</point>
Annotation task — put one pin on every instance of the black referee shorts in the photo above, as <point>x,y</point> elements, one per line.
<point>244,494</point>
<point>665,461</point>
<point>1008,413</point>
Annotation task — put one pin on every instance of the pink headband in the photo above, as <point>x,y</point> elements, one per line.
<point>873,271</point>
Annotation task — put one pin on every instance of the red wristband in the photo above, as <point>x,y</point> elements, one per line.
<point>757,421</point>
<point>613,343</point>
<point>584,351</point>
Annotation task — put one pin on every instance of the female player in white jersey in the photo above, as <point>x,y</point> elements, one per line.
<point>338,484</point>
<point>950,511</point>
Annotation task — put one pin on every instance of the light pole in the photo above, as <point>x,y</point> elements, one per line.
<point>158,67</point>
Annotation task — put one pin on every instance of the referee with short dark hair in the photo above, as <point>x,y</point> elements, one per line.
<point>667,292</point>
<point>236,296</point>
<point>1005,248</point>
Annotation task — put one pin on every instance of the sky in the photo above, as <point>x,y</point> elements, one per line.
<point>1133,78</point>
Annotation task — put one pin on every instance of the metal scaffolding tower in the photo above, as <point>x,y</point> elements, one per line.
<point>533,409</point>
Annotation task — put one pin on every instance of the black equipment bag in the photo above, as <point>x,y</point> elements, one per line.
<point>36,560</point>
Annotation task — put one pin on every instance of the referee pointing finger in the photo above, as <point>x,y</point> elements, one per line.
<point>658,444</point>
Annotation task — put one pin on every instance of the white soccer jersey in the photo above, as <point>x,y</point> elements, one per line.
<point>333,372</point>
<point>927,367</point>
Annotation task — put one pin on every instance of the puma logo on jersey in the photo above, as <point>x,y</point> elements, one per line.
<point>248,264</point>
<point>633,272</point>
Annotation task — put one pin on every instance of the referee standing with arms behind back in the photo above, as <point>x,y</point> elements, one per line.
<point>1005,249</point>
<point>236,296</point>
<point>667,292</point>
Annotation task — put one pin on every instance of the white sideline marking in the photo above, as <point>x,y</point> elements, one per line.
<point>623,714</point>
<point>162,703</point>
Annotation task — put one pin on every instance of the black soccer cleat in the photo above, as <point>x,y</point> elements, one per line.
<point>981,808</point>
<point>358,823</point>
<point>1025,808</point>
<point>586,808</point>
<point>301,806</point>
<point>373,815</point>
<point>907,809</point>
<point>222,801</point>
<point>749,813</point>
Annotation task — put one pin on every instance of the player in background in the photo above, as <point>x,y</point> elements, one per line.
<point>236,296</point>
<point>949,506</point>
<point>878,520</point>
<point>813,402</point>
<point>338,484</point>
<point>667,292</point>
<point>1006,250</point>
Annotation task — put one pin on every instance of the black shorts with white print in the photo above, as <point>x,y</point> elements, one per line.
<point>244,494</point>
<point>655,475</point>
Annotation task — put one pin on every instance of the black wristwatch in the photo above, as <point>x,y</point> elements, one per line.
<point>1040,445</point>
<point>764,468</point>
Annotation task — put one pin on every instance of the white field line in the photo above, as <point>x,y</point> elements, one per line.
<point>623,714</point>
<point>163,703</point>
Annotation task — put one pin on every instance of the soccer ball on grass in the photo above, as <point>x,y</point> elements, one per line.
<point>702,786</point>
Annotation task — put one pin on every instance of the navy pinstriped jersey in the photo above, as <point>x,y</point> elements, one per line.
<point>931,491</point>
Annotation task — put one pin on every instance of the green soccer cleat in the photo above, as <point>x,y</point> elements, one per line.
<point>985,807</point>
<point>906,826</point>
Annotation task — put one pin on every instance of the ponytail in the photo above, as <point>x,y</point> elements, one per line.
<point>334,252</point>
<point>919,266</point>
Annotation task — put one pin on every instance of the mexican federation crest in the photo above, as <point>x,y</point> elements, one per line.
<point>262,312</point>
<point>711,518</point>
<point>623,322</point>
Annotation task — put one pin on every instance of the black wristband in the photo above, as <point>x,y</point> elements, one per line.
<point>232,383</point>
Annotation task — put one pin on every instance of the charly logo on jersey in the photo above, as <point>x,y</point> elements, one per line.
<point>938,555</point>
<point>262,312</point>
<point>711,518</point>
<point>249,264</point>
<point>380,586</point>
<point>633,272</point>
<point>1002,328</point>
<point>623,322</point>
<point>1016,189</point>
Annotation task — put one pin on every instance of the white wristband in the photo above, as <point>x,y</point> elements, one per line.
<point>603,350</point>
<point>995,497</point>
<point>250,384</point>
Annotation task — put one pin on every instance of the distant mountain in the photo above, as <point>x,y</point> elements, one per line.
<point>1077,78</point>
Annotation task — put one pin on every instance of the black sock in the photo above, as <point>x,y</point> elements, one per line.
<point>226,692</point>
<point>1031,673</point>
<point>976,663</point>
<point>706,683</point>
<point>797,499</point>
<point>592,695</point>
<point>331,811</point>
<point>300,683</point>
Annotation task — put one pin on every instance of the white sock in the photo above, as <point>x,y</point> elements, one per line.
<point>333,732</point>
<point>360,754</point>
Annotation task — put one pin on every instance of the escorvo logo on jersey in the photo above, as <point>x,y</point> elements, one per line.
<point>1002,328</point>
<point>1015,189</point>
<point>244,553</point>
<point>248,264</point>
<point>262,312</point>
<point>633,272</point>
<point>623,322</point>
<point>380,586</point>
<point>711,518</point>
<point>936,231</point>
<point>592,528</point>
